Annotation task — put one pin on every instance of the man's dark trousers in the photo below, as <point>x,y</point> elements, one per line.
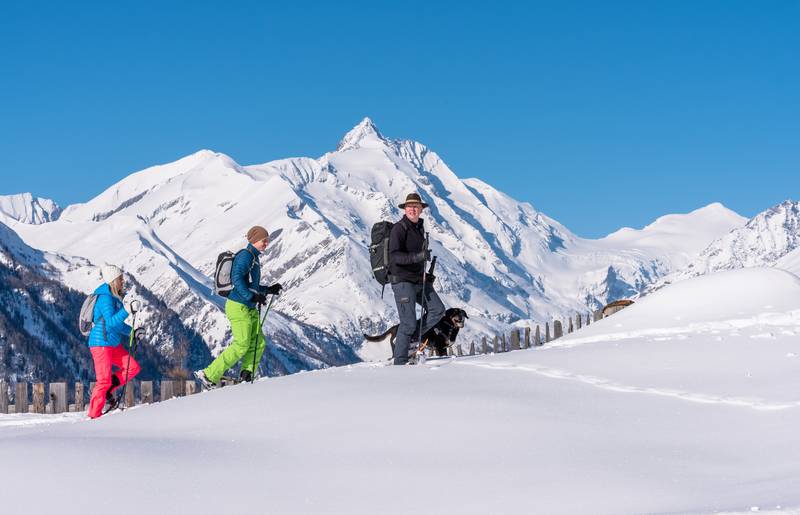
<point>407,295</point>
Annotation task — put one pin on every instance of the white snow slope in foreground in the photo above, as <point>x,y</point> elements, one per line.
<point>686,402</point>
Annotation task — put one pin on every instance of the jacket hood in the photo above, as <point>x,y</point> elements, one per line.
<point>103,289</point>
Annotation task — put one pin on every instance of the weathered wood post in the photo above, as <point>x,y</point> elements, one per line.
<point>38,398</point>
<point>21,398</point>
<point>569,330</point>
<point>191,387</point>
<point>130,394</point>
<point>79,398</point>
<point>547,332</point>
<point>515,339</point>
<point>58,396</point>
<point>527,337</point>
<point>180,388</point>
<point>484,346</point>
<point>496,347</point>
<point>504,345</point>
<point>167,389</point>
<point>558,330</point>
<point>3,397</point>
<point>146,389</point>
<point>472,348</point>
<point>578,321</point>
<point>537,337</point>
<point>598,315</point>
<point>460,351</point>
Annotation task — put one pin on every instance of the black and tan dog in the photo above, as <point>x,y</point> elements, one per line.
<point>439,337</point>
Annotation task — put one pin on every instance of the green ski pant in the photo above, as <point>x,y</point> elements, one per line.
<point>247,339</point>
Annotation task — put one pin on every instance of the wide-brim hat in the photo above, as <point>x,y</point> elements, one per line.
<point>412,198</point>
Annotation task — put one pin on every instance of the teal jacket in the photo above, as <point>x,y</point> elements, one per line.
<point>109,328</point>
<point>246,276</point>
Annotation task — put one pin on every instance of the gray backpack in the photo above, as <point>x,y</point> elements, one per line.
<point>86,318</point>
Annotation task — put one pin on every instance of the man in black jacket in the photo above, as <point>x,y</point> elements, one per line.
<point>407,257</point>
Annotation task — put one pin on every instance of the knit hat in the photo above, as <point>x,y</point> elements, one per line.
<point>256,234</point>
<point>413,198</point>
<point>110,272</point>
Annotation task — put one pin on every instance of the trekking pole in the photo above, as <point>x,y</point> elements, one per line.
<point>132,344</point>
<point>424,275</point>
<point>261,330</point>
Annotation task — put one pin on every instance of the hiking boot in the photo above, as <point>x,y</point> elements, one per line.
<point>205,383</point>
<point>245,376</point>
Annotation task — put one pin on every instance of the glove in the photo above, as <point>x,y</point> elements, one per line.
<point>131,304</point>
<point>259,298</point>
<point>421,256</point>
<point>275,289</point>
<point>429,278</point>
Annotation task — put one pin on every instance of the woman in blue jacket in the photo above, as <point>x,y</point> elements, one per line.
<point>105,339</point>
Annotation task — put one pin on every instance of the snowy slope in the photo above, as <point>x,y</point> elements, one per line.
<point>500,259</point>
<point>678,404</point>
<point>28,209</point>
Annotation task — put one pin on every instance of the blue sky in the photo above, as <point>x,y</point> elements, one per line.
<point>601,114</point>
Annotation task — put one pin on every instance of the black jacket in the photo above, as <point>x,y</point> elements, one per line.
<point>406,239</point>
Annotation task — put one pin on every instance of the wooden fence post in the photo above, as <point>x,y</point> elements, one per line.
<point>547,332</point>
<point>537,337</point>
<point>79,398</point>
<point>130,394</point>
<point>21,398</point>
<point>485,346</point>
<point>598,315</point>
<point>167,389</point>
<point>569,327</point>
<point>459,350</point>
<point>527,337</point>
<point>58,396</point>
<point>496,347</point>
<point>3,397</point>
<point>472,348</point>
<point>146,388</point>
<point>180,388</point>
<point>515,339</point>
<point>578,321</point>
<point>588,318</point>
<point>38,397</point>
<point>191,387</point>
<point>504,345</point>
<point>558,330</point>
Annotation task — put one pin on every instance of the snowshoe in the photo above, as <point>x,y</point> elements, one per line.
<point>112,403</point>
<point>205,383</point>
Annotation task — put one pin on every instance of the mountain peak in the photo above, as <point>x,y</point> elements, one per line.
<point>361,135</point>
<point>26,208</point>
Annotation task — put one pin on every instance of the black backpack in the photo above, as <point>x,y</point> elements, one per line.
<point>379,252</point>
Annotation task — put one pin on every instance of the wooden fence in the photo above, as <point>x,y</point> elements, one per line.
<point>58,398</point>
<point>523,339</point>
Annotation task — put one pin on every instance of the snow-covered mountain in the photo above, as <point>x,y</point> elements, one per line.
<point>28,209</point>
<point>500,259</point>
<point>771,238</point>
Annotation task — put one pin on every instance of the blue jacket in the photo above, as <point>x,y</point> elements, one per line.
<point>109,317</point>
<point>245,276</point>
